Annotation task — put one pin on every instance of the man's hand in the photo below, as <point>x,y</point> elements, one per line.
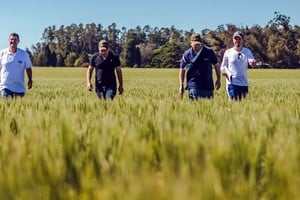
<point>218,84</point>
<point>89,86</point>
<point>121,90</point>
<point>29,84</point>
<point>181,91</point>
<point>229,78</point>
<point>225,72</point>
<point>252,62</point>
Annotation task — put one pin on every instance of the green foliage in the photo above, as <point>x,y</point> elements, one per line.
<point>276,44</point>
<point>70,60</point>
<point>83,60</point>
<point>61,142</point>
<point>131,55</point>
<point>168,56</point>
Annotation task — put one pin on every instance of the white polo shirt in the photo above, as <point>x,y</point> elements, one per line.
<point>235,63</point>
<point>12,68</point>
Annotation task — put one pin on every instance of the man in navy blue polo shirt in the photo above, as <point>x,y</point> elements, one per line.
<point>196,63</point>
<point>106,64</point>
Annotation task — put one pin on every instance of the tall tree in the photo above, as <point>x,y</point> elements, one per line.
<point>131,54</point>
<point>167,56</point>
<point>277,44</point>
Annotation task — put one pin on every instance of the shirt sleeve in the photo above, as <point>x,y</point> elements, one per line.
<point>250,56</point>
<point>184,59</point>
<point>92,61</point>
<point>117,61</point>
<point>28,63</point>
<point>214,58</point>
<point>224,63</point>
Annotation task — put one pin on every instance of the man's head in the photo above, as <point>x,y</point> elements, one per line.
<point>238,39</point>
<point>195,41</point>
<point>103,47</point>
<point>13,40</point>
<point>16,35</point>
<point>238,34</point>
<point>195,38</point>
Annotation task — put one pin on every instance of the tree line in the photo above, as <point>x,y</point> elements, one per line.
<point>276,45</point>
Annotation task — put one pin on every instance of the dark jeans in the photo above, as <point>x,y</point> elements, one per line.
<point>194,94</point>
<point>236,92</point>
<point>10,94</point>
<point>106,93</point>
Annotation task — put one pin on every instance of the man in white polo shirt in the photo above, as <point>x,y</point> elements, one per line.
<point>13,64</point>
<point>234,67</point>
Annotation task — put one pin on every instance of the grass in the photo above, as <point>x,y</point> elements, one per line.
<point>61,142</point>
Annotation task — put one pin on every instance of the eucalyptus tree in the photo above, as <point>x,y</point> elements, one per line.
<point>75,37</point>
<point>131,56</point>
<point>282,42</point>
<point>113,35</point>
<point>167,56</point>
<point>165,34</point>
<point>46,55</point>
<point>214,40</point>
<point>297,30</point>
<point>280,20</point>
<point>154,36</point>
<point>62,45</point>
<point>176,35</point>
<point>49,34</point>
<point>40,57</point>
<point>93,33</point>
<point>147,51</point>
<point>256,40</point>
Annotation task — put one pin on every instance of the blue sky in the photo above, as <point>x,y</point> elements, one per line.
<point>30,18</point>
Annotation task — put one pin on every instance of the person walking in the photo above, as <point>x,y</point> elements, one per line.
<point>234,67</point>
<point>13,64</point>
<point>106,64</point>
<point>196,64</point>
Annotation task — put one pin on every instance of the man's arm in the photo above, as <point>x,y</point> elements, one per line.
<point>89,73</point>
<point>29,76</point>
<point>224,69</point>
<point>226,73</point>
<point>181,81</point>
<point>120,79</point>
<point>218,75</point>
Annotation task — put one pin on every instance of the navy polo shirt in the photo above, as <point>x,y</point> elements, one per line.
<point>105,69</point>
<point>199,76</point>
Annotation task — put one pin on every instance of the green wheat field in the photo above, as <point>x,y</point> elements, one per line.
<point>61,142</point>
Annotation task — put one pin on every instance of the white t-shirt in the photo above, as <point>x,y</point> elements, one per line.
<point>12,68</point>
<point>235,63</point>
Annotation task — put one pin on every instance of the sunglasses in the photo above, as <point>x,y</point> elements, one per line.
<point>239,56</point>
<point>103,50</point>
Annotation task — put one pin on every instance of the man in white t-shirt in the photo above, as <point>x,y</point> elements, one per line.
<point>13,63</point>
<point>234,67</point>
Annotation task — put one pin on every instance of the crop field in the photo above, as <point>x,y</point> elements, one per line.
<point>61,142</point>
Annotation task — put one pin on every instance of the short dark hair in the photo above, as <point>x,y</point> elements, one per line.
<point>14,35</point>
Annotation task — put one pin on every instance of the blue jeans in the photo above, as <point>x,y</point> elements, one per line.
<point>194,94</point>
<point>10,94</point>
<point>236,92</point>
<point>106,93</point>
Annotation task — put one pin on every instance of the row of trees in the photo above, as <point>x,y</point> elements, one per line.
<point>277,44</point>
